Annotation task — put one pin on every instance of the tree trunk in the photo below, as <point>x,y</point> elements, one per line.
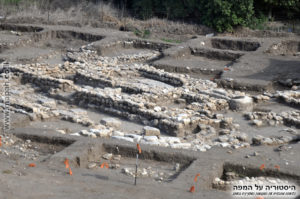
<point>270,13</point>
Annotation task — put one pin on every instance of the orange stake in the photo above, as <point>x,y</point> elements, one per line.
<point>192,189</point>
<point>104,164</point>
<point>277,167</point>
<point>67,163</point>
<point>259,197</point>
<point>196,177</point>
<point>70,171</point>
<point>31,165</point>
<point>262,167</point>
<point>0,141</point>
<point>139,148</point>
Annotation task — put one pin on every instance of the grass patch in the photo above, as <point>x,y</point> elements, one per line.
<point>143,34</point>
<point>7,172</point>
<point>171,40</point>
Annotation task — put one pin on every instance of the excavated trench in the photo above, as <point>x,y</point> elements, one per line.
<point>288,47</point>
<point>41,45</point>
<point>20,28</point>
<point>159,161</point>
<point>235,45</point>
<point>208,60</point>
<point>237,172</point>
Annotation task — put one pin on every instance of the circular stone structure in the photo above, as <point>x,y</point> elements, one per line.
<point>242,103</point>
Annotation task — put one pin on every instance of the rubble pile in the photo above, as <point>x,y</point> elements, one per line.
<point>289,97</point>
<point>290,118</point>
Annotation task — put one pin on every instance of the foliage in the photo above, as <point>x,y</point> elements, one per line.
<point>290,7</point>
<point>143,34</point>
<point>258,22</point>
<point>220,14</point>
<point>285,3</point>
<point>10,2</point>
<point>171,40</point>
<point>225,15</point>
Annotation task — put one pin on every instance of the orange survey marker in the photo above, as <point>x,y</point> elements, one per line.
<point>70,171</point>
<point>0,141</point>
<point>259,197</point>
<point>262,167</point>
<point>196,177</point>
<point>139,148</point>
<point>104,164</point>
<point>31,165</point>
<point>277,167</point>
<point>192,189</point>
<point>67,163</point>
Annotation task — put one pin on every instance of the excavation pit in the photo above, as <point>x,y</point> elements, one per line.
<point>195,66</point>
<point>90,95</point>
<point>235,45</point>
<point>39,45</point>
<point>20,28</point>
<point>30,147</point>
<point>238,175</point>
<point>288,47</point>
<point>162,167</point>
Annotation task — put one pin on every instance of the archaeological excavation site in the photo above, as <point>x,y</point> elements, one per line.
<point>103,113</point>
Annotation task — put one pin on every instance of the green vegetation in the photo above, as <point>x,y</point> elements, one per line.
<point>225,15</point>
<point>290,6</point>
<point>222,15</point>
<point>143,34</point>
<point>171,40</point>
<point>7,172</point>
<point>10,2</point>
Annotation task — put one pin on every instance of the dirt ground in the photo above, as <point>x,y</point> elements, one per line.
<point>87,93</point>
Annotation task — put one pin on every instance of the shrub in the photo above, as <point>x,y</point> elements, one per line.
<point>222,15</point>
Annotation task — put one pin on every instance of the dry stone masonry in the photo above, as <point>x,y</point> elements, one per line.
<point>176,110</point>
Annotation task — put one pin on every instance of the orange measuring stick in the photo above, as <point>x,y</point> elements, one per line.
<point>70,171</point>
<point>139,148</point>
<point>196,177</point>
<point>67,163</point>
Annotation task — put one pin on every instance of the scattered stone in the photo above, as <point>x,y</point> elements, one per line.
<point>92,165</point>
<point>107,156</point>
<point>117,157</point>
<point>177,167</point>
<point>257,123</point>
<point>115,166</point>
<point>223,138</point>
<point>151,131</point>
<point>61,131</point>
<point>111,122</point>
<point>231,175</point>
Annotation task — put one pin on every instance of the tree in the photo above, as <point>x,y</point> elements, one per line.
<point>291,6</point>
<point>224,15</point>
